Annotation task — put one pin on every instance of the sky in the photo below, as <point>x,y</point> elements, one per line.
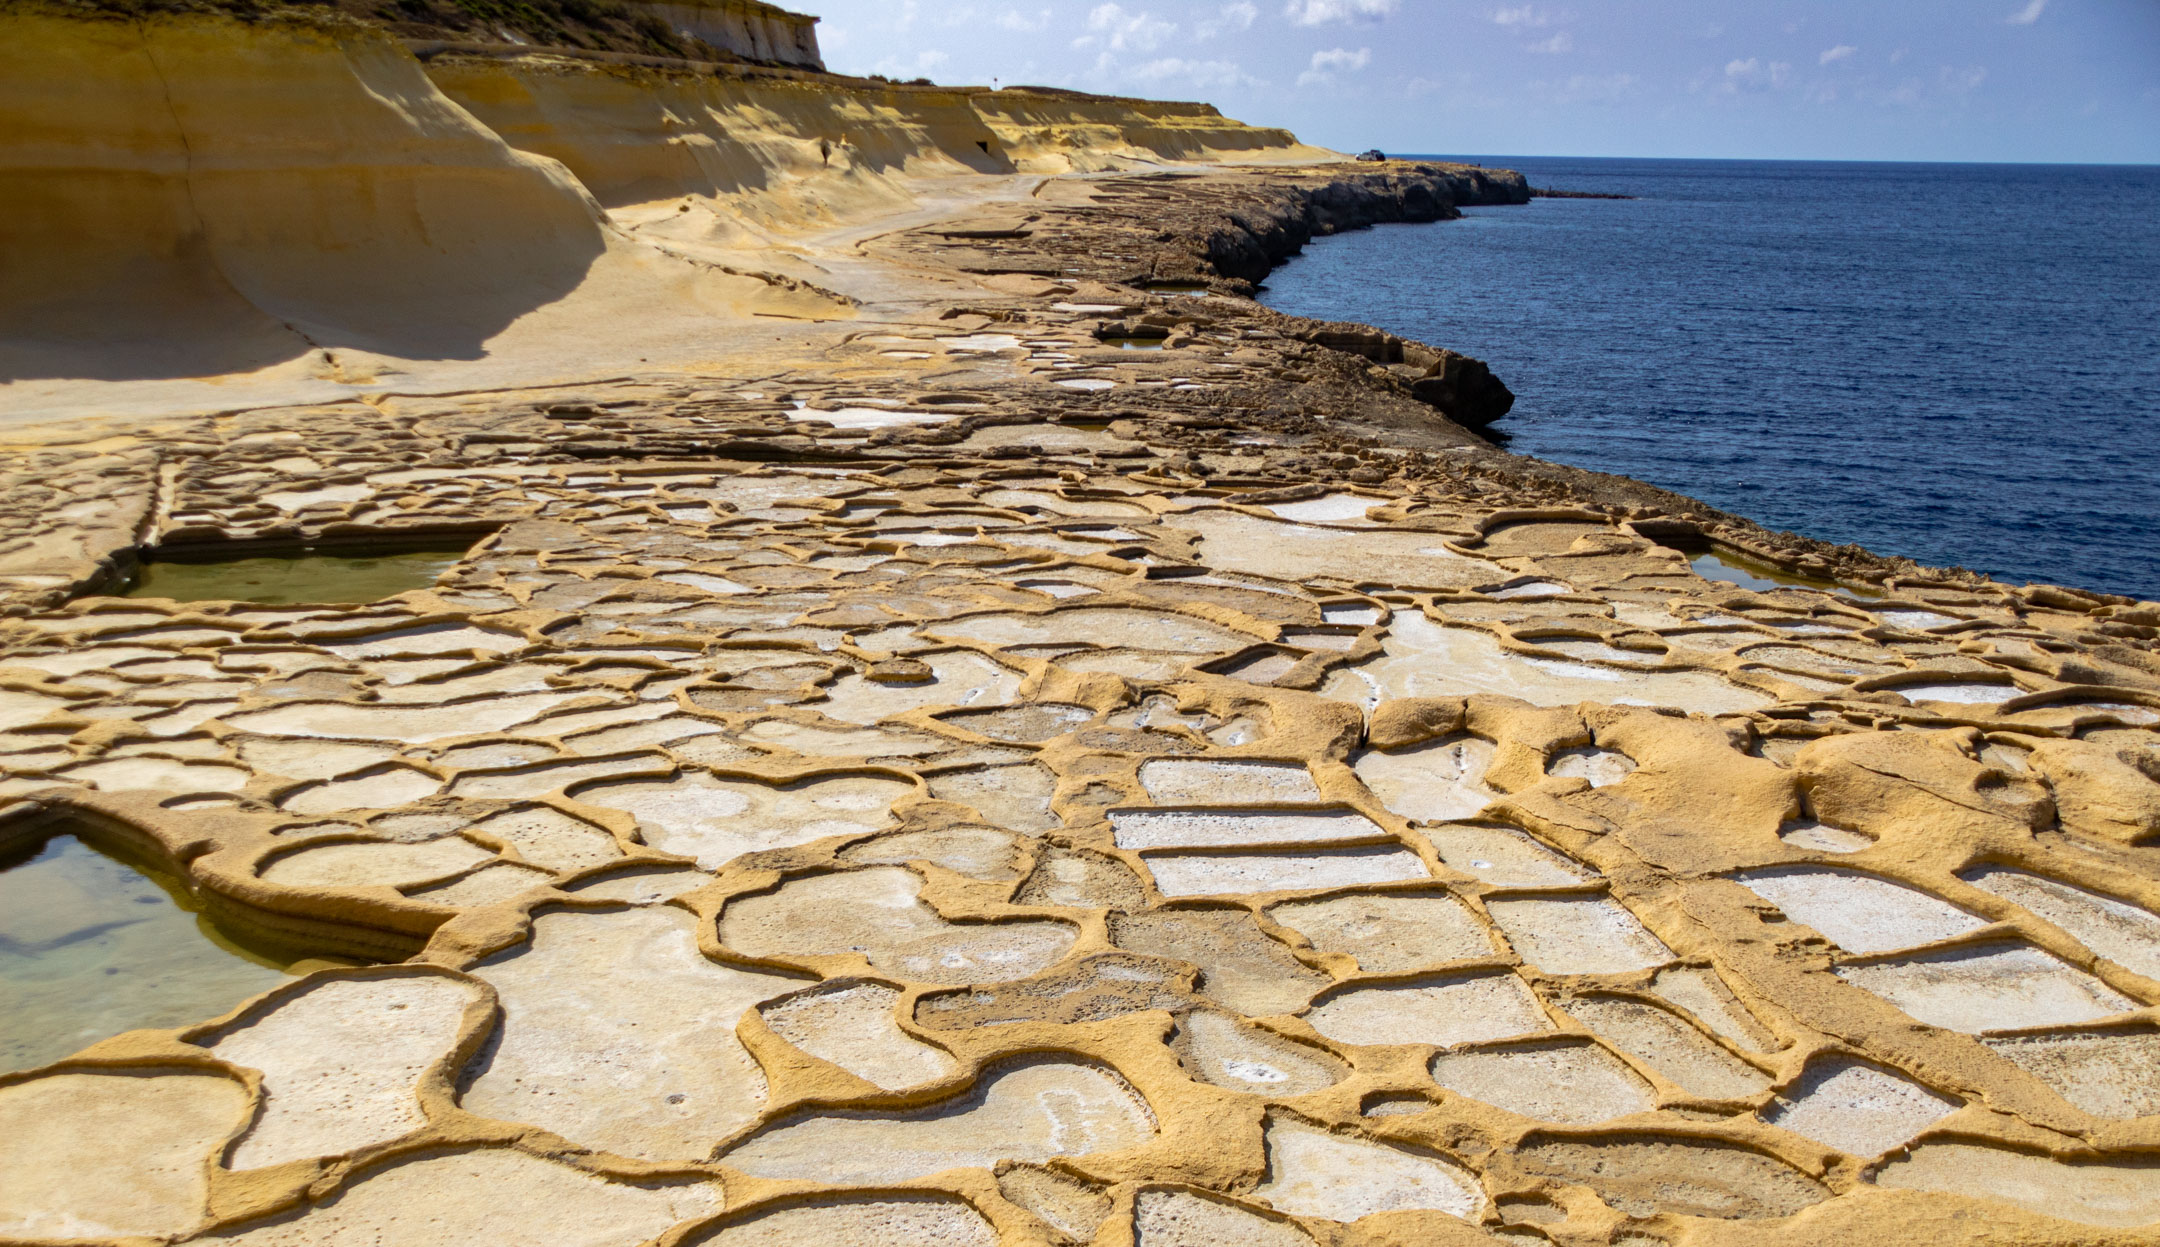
<point>2068,81</point>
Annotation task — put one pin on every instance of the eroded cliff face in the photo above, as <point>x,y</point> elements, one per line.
<point>1058,133</point>
<point>780,151</point>
<point>792,151</point>
<point>194,196</point>
<point>210,196</point>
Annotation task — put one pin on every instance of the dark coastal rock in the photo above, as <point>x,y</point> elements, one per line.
<point>1278,222</point>
<point>1464,390</point>
<point>1377,345</point>
<point>1551,192</point>
<point>1151,328</point>
<point>1461,388</point>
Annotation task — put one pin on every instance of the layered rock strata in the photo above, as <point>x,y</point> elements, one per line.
<point>749,28</point>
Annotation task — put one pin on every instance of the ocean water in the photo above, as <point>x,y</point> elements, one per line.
<point>1957,363</point>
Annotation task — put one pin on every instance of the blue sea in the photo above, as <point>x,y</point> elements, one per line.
<point>1957,363</point>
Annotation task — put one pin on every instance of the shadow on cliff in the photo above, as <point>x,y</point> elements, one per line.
<point>183,314</point>
<point>198,197</point>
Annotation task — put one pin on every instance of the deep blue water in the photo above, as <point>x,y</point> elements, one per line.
<point>1958,363</point>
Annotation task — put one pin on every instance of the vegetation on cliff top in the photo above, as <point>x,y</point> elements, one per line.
<point>584,25</point>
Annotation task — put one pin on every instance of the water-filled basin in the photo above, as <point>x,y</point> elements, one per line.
<point>351,575</point>
<point>91,946</point>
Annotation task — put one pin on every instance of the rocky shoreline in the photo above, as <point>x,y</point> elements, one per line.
<point>1226,233</point>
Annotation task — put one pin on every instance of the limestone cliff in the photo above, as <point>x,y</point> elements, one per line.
<point>807,146</point>
<point>202,196</point>
<point>1046,131</point>
<point>778,147</point>
<point>748,28</point>
<point>260,185</point>
<point>198,195</point>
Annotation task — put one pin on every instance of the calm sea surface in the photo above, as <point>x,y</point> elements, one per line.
<point>1958,363</point>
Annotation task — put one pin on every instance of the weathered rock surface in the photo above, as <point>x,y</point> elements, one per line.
<point>1051,758</point>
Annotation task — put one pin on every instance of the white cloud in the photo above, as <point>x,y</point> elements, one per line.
<point>1561,41</point>
<point>1524,16</point>
<point>1321,12</point>
<point>1589,88</point>
<point>1952,86</point>
<point>2029,14</point>
<point>1838,53</point>
<point>1753,75</point>
<point>1121,31</point>
<point>1204,75</point>
<point>1232,18</point>
<point>1325,65</point>
<point>1014,19</point>
<point>1908,91</point>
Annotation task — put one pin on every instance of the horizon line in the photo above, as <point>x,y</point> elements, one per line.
<point>1791,160</point>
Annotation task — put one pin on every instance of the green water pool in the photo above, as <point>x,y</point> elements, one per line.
<point>91,946</point>
<point>300,578</point>
<point>1749,574</point>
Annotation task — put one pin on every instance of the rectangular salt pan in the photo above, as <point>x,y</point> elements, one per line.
<point>1214,874</point>
<point>1226,828</point>
<point>1964,694</point>
<point>1238,782</point>
<point>1578,935</point>
<point>2000,988</point>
